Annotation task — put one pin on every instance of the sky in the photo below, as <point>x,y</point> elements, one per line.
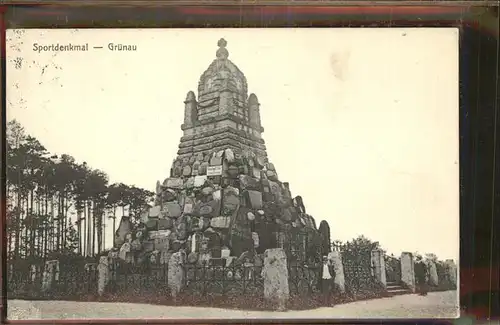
<point>363,123</point>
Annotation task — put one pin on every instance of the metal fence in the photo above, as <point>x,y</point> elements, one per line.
<point>24,281</point>
<point>74,281</point>
<point>304,279</point>
<point>359,272</point>
<point>127,278</point>
<point>221,279</point>
<point>68,281</point>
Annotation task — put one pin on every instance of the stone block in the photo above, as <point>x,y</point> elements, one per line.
<point>253,199</point>
<point>378,263</point>
<point>159,234</point>
<point>220,222</point>
<point>195,168</point>
<point>256,172</point>
<point>216,161</point>
<point>299,204</point>
<point>203,168</point>
<point>188,208</point>
<point>159,244</point>
<point>50,274</point>
<point>124,252</point>
<point>152,224</point>
<point>155,212</point>
<point>275,274</point>
<point>165,256</point>
<point>272,175</point>
<point>168,195</point>
<point>103,274</point>
<point>124,228</point>
<point>249,183</point>
<point>172,209</point>
<point>174,182</point>
<point>194,242</point>
<point>164,224</point>
<point>217,195</point>
<point>267,197</point>
<point>189,184</point>
<point>255,238</point>
<point>243,170</point>
<point>176,273</point>
<point>207,190</point>
<point>231,199</point>
<point>186,171</point>
<point>233,171</point>
<point>229,155</point>
<point>408,270</point>
<point>208,209</point>
<point>433,276</point>
<point>177,171</point>
<point>199,181</point>
<point>275,189</point>
<point>451,271</point>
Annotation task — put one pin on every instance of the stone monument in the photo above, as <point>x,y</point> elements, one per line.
<point>223,195</point>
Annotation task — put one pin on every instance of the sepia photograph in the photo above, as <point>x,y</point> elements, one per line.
<point>232,173</point>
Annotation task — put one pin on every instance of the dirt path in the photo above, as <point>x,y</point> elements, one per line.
<point>438,304</point>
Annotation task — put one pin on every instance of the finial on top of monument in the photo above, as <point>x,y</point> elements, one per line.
<point>190,97</point>
<point>222,52</point>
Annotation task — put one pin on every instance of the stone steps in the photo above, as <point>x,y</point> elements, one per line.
<point>395,289</point>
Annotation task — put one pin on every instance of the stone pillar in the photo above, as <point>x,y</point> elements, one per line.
<point>275,274</point>
<point>176,273</point>
<point>433,276</point>
<point>50,274</point>
<point>190,110</point>
<point>408,270</point>
<point>103,275</point>
<point>378,263</point>
<point>33,274</point>
<point>335,259</point>
<point>11,273</point>
<point>451,270</point>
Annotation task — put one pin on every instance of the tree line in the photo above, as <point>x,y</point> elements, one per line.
<point>56,205</point>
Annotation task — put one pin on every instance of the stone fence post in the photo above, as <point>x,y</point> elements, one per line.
<point>335,257</point>
<point>275,274</point>
<point>378,263</point>
<point>451,270</point>
<point>50,274</point>
<point>433,276</point>
<point>34,272</point>
<point>408,270</point>
<point>102,275</point>
<point>176,273</point>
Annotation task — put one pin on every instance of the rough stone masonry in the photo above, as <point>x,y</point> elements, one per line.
<point>223,199</point>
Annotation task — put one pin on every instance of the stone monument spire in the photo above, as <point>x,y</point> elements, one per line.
<point>223,196</point>
<point>223,116</point>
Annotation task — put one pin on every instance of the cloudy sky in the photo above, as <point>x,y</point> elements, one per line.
<point>363,123</point>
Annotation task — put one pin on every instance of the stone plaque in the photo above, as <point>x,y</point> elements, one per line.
<point>214,170</point>
<point>220,222</point>
<point>199,181</point>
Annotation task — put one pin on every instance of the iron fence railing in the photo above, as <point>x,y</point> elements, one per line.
<point>127,277</point>
<point>222,279</point>
<point>304,278</point>
<point>24,281</point>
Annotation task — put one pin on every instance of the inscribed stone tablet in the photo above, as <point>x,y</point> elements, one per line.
<point>214,170</point>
